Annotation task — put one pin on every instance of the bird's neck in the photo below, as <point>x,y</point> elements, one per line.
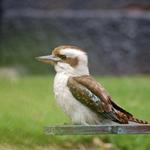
<point>82,70</point>
<point>68,71</point>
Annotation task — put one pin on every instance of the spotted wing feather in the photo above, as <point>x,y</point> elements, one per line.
<point>93,95</point>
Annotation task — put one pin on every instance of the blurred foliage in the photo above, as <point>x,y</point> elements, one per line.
<point>19,49</point>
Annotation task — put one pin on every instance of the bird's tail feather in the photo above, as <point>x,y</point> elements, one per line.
<point>133,119</point>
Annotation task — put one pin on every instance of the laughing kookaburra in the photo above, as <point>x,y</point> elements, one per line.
<point>82,98</point>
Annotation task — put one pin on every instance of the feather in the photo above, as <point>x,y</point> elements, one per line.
<point>89,93</point>
<point>93,95</point>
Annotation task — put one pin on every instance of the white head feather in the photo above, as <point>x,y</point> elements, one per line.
<point>82,66</point>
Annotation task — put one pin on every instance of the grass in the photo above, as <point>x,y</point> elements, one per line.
<point>27,105</point>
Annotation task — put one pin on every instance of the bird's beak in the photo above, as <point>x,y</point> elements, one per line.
<point>48,59</point>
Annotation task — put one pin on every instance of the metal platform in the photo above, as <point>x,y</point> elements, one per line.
<point>97,129</point>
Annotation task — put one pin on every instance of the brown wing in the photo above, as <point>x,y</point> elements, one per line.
<point>93,95</point>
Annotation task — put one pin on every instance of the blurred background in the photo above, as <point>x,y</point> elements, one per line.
<point>116,36</point>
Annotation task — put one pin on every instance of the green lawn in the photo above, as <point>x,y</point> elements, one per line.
<point>27,105</point>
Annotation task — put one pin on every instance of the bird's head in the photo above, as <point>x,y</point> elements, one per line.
<point>67,59</point>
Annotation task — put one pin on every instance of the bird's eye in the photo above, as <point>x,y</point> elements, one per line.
<point>62,57</point>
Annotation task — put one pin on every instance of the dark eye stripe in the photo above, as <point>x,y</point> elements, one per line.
<point>62,56</point>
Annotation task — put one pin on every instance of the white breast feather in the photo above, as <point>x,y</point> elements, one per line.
<point>78,113</point>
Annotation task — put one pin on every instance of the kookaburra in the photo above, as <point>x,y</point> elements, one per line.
<point>82,98</point>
